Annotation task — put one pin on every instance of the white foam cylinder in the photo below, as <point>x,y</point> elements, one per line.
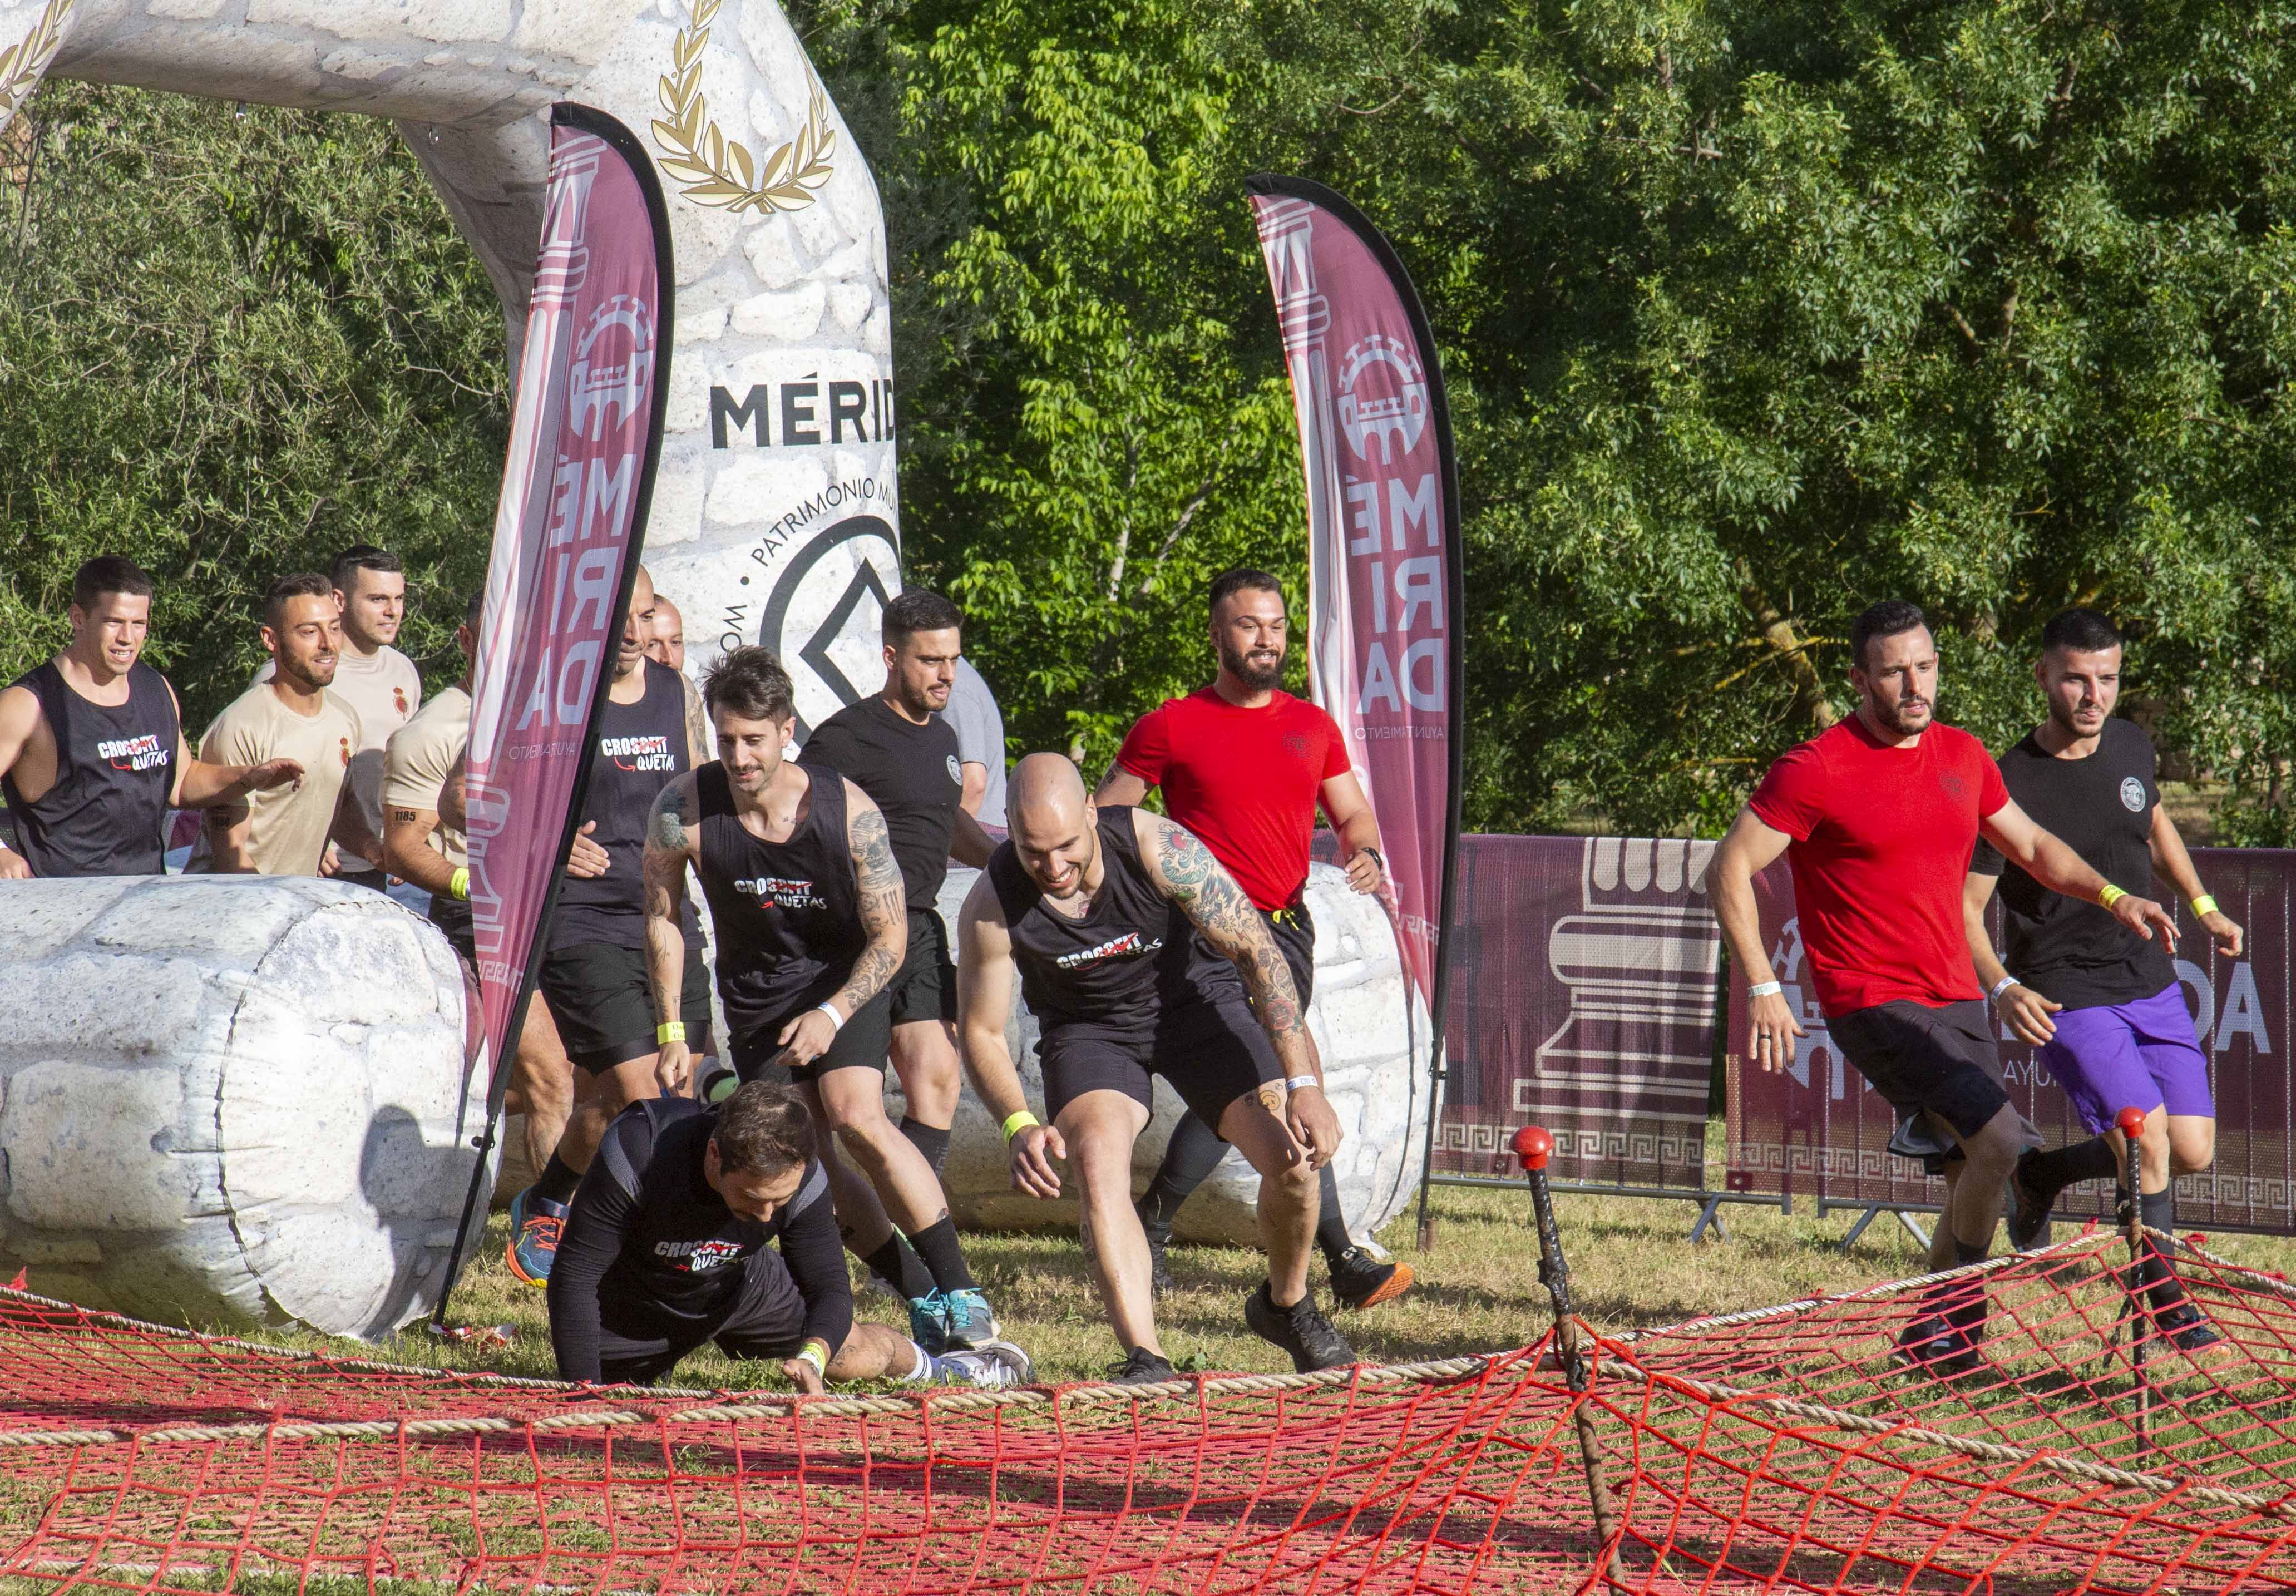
<point>1374,1071</point>
<point>232,1100</point>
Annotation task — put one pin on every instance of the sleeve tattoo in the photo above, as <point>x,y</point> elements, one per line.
<point>1202,888</point>
<point>884,908</point>
<point>697,726</point>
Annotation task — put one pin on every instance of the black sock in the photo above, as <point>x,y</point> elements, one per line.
<point>943,1255</point>
<point>1965,1253</point>
<point>2053,1171</point>
<point>898,1263</point>
<point>1194,1152</point>
<point>932,1141</point>
<point>556,1182</point>
<point>1332,1223</point>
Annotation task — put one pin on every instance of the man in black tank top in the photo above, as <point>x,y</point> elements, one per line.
<point>594,973</point>
<point>807,900</point>
<point>1096,908</point>
<point>91,750</point>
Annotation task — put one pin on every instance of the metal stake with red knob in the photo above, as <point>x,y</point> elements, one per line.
<point>1532,1149</point>
<point>2136,1306</point>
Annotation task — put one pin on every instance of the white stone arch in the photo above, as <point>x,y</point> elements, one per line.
<point>776,496</point>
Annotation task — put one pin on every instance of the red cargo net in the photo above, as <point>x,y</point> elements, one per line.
<point>1780,1450</point>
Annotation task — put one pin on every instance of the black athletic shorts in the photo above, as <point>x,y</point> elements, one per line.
<point>600,997</point>
<point>1929,1060</point>
<point>451,915</point>
<point>1295,930</point>
<point>766,1321</point>
<point>925,986</point>
<point>1211,1052</point>
<point>861,1043</point>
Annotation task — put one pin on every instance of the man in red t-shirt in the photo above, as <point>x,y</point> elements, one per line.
<point>1242,765</point>
<point>1879,817</point>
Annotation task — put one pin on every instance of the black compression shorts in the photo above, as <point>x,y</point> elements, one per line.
<point>600,997</point>
<point>861,1043</point>
<point>1211,1052</point>
<point>766,1321</point>
<point>925,986</point>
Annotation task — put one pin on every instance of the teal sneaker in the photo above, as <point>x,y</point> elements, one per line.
<point>969,1322</point>
<point>929,1322</point>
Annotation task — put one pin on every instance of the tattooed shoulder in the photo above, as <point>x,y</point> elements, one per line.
<point>672,816</point>
<point>1185,864</point>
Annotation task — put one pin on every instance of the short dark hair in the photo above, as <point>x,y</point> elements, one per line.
<point>363,557</point>
<point>752,684</point>
<point>301,585</point>
<point>762,1129</point>
<point>919,609</point>
<point>2083,631</point>
<point>110,573</point>
<point>1239,579</point>
<point>1887,619</point>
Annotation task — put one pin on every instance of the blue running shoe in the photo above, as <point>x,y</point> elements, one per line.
<point>929,1322</point>
<point>536,1223</point>
<point>969,1322</point>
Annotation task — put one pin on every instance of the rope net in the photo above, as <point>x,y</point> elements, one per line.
<point>1782,1450</point>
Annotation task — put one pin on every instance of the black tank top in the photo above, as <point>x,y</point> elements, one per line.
<point>640,750</point>
<point>1122,965</point>
<point>787,914</point>
<point>115,767</point>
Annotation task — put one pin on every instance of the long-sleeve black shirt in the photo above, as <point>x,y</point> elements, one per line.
<point>649,1249</point>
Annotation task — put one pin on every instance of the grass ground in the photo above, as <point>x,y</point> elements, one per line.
<point>1630,1261</point>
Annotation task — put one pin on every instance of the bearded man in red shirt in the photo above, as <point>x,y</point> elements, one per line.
<point>1878,817</point>
<point>1242,765</point>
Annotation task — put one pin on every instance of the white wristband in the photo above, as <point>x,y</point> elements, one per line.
<point>835,1019</point>
<point>1765,989</point>
<point>2002,986</point>
<point>1298,1080</point>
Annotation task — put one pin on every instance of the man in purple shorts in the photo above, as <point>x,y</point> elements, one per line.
<point>2100,1004</point>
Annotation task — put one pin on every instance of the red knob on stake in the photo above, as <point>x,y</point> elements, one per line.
<point>1531,1147</point>
<point>2132,1123</point>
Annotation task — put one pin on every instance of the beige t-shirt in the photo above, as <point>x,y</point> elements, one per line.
<point>287,826</point>
<point>422,754</point>
<point>385,691</point>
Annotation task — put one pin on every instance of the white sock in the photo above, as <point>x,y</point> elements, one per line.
<point>921,1372</point>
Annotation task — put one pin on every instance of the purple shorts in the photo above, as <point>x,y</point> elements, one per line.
<point>2141,1055</point>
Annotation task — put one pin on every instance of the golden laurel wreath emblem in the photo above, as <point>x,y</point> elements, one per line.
<point>712,170</point>
<point>22,62</point>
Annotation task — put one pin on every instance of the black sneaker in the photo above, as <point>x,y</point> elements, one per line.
<point>2028,1210</point>
<point>1299,1330</point>
<point>1361,1281</point>
<point>2186,1327</point>
<point>1936,1345</point>
<point>1142,1367</point>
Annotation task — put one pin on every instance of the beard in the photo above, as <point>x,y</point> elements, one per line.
<point>1907,719</point>
<point>310,675</point>
<point>1257,674</point>
<point>2068,724</point>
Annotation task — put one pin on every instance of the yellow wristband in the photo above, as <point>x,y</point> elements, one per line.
<point>2204,904</point>
<point>458,885</point>
<point>1018,1123</point>
<point>669,1031</point>
<point>2110,896</point>
<point>812,1354</point>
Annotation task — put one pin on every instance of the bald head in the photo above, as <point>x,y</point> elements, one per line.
<point>1054,831</point>
<point>637,625</point>
<point>669,642</point>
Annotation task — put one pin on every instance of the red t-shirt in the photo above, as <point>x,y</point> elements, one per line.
<point>1881,841</point>
<point>1245,781</point>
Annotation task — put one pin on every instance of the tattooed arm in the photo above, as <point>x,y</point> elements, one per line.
<point>701,743</point>
<point>1184,871</point>
<point>671,834</point>
<point>884,918</point>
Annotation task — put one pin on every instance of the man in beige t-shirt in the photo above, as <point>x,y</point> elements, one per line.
<point>377,681</point>
<point>285,831</point>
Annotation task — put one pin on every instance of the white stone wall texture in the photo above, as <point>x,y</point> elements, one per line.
<point>775,512</point>
<point>232,1101</point>
<point>1378,1086</point>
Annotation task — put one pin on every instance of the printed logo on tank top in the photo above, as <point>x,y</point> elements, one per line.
<point>1132,944</point>
<point>2132,795</point>
<point>783,892</point>
<point>696,1256</point>
<point>134,753</point>
<point>648,752</point>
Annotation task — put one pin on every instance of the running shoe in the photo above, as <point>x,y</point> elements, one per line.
<point>2185,1327</point>
<point>1142,1367</point>
<point>1936,1345</point>
<point>536,1223</point>
<point>1360,1279</point>
<point>929,1322</point>
<point>1299,1330</point>
<point>2029,1210</point>
<point>964,1312</point>
<point>993,1365</point>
